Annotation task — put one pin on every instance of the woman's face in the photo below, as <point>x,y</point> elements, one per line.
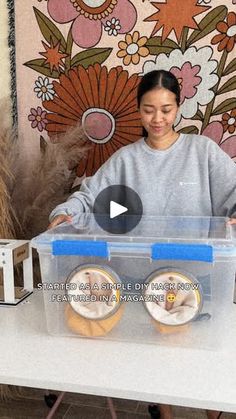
<point>158,110</point>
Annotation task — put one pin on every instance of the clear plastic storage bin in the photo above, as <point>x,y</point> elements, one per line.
<point>168,281</point>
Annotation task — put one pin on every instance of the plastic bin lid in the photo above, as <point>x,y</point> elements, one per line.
<point>213,231</point>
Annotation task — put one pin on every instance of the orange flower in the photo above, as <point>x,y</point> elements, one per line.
<point>133,48</point>
<point>229,121</point>
<point>53,56</point>
<point>227,37</point>
<point>104,103</point>
<point>171,16</point>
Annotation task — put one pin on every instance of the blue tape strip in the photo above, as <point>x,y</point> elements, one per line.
<point>178,251</point>
<point>80,248</point>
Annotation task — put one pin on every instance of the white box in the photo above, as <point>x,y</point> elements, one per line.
<point>12,253</point>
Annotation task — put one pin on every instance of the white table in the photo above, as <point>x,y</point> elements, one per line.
<point>145,372</point>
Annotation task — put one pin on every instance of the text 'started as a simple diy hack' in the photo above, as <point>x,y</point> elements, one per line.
<point>168,281</point>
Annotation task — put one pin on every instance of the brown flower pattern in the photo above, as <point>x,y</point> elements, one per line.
<point>229,121</point>
<point>227,36</point>
<point>104,102</point>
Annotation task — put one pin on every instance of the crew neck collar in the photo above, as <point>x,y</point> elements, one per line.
<point>166,150</point>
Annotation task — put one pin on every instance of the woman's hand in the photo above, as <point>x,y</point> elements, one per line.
<point>62,218</point>
<point>231,221</point>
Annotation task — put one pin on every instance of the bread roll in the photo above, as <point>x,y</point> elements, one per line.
<point>92,328</point>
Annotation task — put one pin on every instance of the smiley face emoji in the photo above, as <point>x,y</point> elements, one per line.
<point>170,297</point>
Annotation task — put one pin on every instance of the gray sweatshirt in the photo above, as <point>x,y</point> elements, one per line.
<point>193,177</point>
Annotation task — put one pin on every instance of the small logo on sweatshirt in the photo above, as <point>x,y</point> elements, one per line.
<point>187,183</point>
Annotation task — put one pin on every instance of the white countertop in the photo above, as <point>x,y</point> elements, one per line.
<point>147,372</point>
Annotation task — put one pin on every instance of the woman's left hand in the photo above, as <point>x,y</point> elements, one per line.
<point>231,221</point>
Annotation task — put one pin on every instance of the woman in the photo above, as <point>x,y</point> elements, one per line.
<point>174,174</point>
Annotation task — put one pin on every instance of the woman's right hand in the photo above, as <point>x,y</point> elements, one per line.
<point>61,218</point>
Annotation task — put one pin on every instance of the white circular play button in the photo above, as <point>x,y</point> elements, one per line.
<point>118,209</point>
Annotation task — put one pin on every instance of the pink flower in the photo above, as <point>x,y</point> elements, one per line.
<point>38,118</point>
<point>88,20</point>
<point>215,131</point>
<point>229,146</point>
<point>188,79</point>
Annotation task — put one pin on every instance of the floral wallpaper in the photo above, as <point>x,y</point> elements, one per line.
<point>82,60</point>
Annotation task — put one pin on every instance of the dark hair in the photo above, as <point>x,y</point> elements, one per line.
<point>158,78</point>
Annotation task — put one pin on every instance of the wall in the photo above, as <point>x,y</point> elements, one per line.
<point>77,62</point>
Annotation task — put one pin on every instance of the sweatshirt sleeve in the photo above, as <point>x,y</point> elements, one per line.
<point>222,182</point>
<point>83,200</point>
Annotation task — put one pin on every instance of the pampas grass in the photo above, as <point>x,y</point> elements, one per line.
<point>48,182</point>
<point>30,190</point>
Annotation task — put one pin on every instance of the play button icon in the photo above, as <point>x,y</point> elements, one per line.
<point>118,209</point>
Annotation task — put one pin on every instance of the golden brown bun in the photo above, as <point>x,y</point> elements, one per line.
<point>165,329</point>
<point>86,327</point>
